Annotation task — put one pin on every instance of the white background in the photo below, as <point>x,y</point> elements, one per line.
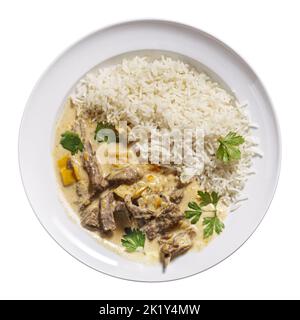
<point>265,33</point>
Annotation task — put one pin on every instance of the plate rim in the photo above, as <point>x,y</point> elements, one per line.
<point>181,25</point>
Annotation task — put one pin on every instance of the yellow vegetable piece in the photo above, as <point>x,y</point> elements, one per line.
<point>123,190</point>
<point>62,162</point>
<point>67,176</point>
<point>76,172</point>
<point>150,177</point>
<point>68,170</point>
<point>117,165</point>
<point>139,192</point>
<point>134,191</point>
<point>157,202</point>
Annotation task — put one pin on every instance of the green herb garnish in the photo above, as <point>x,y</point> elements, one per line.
<point>208,198</point>
<point>195,213</point>
<point>228,149</point>
<point>133,239</point>
<point>211,225</point>
<point>71,141</point>
<point>106,132</point>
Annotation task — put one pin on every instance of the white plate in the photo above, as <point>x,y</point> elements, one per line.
<point>105,47</point>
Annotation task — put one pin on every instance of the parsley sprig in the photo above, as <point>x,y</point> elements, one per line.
<point>195,212</point>
<point>208,198</point>
<point>228,149</point>
<point>71,141</point>
<point>133,239</point>
<point>106,132</point>
<point>211,224</point>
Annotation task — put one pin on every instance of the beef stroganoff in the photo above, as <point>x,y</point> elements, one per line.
<point>151,154</point>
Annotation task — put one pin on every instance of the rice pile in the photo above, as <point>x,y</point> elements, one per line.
<point>167,94</point>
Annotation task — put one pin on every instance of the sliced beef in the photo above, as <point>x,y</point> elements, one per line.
<point>99,213</point>
<point>86,202</point>
<point>97,183</point>
<point>122,215</point>
<point>127,175</point>
<point>167,219</point>
<point>120,207</point>
<point>107,205</point>
<point>90,217</point>
<point>96,179</point>
<point>176,195</point>
<point>136,212</point>
<point>85,198</point>
<point>82,189</point>
<point>174,245</point>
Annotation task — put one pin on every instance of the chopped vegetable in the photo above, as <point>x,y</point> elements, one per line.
<point>71,141</point>
<point>139,192</point>
<point>123,190</point>
<point>195,213</point>
<point>67,176</point>
<point>62,162</point>
<point>106,132</point>
<point>157,202</point>
<point>76,172</point>
<point>150,178</point>
<point>228,149</point>
<point>211,225</point>
<point>68,170</point>
<point>133,239</point>
<point>135,190</point>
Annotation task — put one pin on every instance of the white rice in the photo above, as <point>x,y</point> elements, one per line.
<point>167,94</point>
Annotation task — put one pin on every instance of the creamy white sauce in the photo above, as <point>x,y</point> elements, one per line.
<point>161,183</point>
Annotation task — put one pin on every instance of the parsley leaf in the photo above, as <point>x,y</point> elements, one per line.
<point>228,149</point>
<point>211,225</point>
<point>106,132</point>
<point>71,141</point>
<point>133,239</point>
<point>207,198</point>
<point>195,213</point>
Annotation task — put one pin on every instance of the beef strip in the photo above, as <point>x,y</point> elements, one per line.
<point>167,219</point>
<point>120,207</point>
<point>90,217</point>
<point>96,180</point>
<point>99,214</point>
<point>127,175</point>
<point>85,198</point>
<point>176,195</point>
<point>122,215</point>
<point>174,245</point>
<point>107,205</point>
<point>88,200</point>
<point>81,189</point>
<point>137,212</point>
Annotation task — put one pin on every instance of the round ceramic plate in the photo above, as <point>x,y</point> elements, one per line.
<point>108,46</point>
